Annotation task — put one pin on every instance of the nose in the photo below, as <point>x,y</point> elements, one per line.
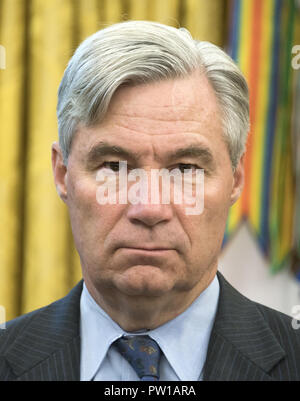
<point>150,209</point>
<point>149,214</point>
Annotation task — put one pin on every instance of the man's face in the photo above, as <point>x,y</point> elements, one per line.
<point>148,250</point>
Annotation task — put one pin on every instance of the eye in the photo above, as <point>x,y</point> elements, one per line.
<point>187,166</point>
<point>114,166</point>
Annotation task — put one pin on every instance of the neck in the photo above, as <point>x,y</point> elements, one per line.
<point>133,313</point>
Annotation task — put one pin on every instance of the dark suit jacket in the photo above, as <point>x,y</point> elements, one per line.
<point>248,342</point>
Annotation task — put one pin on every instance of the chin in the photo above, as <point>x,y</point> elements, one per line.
<point>148,281</point>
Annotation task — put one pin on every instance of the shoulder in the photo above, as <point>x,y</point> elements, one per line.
<point>43,344</point>
<point>262,342</point>
<point>248,309</point>
<point>257,329</point>
<point>58,317</point>
<point>285,328</point>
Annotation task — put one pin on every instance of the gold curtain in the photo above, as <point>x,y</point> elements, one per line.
<point>38,261</point>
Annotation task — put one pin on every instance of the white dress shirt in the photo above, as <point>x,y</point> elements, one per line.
<point>183,341</point>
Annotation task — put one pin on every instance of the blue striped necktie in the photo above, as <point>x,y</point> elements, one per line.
<point>142,353</point>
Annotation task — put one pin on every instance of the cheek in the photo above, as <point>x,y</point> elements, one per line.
<point>81,199</point>
<point>214,217</point>
<point>217,194</point>
<point>82,211</point>
<point>90,220</point>
<point>207,229</point>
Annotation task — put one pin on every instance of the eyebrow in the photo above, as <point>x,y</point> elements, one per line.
<point>103,149</point>
<point>194,151</point>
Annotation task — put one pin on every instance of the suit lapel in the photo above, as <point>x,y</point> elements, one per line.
<point>48,347</point>
<point>242,346</point>
<point>62,365</point>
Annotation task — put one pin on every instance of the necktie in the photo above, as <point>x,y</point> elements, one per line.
<point>142,353</point>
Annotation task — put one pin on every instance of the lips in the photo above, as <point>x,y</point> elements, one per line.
<point>144,246</point>
<point>148,248</point>
<point>145,256</point>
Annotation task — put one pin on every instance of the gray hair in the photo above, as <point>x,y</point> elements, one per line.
<point>138,52</point>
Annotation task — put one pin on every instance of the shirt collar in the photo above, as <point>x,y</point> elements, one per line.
<point>183,340</point>
<point>95,324</point>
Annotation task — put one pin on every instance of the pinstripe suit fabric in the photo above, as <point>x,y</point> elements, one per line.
<point>249,342</point>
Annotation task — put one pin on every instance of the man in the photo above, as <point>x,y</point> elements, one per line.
<point>151,306</point>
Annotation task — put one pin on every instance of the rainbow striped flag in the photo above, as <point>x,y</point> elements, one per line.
<point>261,41</point>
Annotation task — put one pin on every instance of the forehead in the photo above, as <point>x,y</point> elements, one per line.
<point>178,100</point>
<point>159,116</point>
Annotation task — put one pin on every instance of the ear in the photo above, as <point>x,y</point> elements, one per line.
<point>59,171</point>
<point>238,180</point>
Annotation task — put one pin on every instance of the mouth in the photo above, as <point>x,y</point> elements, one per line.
<point>146,251</point>
<point>148,248</point>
